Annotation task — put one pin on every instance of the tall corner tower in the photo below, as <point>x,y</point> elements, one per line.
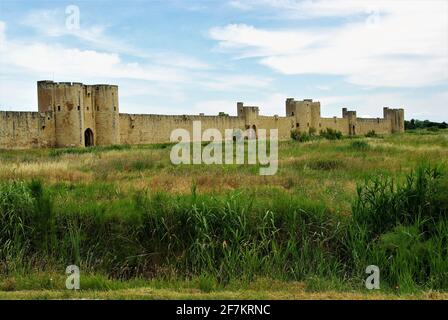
<point>65,100</point>
<point>396,117</point>
<point>45,95</point>
<point>106,114</point>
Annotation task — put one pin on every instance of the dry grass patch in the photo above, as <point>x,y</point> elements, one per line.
<point>51,171</point>
<point>191,293</point>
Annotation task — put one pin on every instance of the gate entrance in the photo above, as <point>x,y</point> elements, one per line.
<point>88,137</point>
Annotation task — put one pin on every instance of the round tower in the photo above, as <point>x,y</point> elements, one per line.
<point>65,100</point>
<point>105,106</point>
<point>303,115</point>
<point>45,95</point>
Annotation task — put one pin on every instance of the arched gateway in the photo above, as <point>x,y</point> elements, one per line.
<point>88,138</point>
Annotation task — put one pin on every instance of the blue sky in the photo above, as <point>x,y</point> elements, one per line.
<point>187,57</point>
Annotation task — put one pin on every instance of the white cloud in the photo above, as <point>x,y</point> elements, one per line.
<point>53,60</point>
<point>2,34</point>
<point>242,5</point>
<point>163,76</point>
<point>71,63</point>
<point>306,9</point>
<point>401,43</point>
<point>45,61</point>
<point>22,63</point>
<point>249,41</point>
<point>51,23</point>
<point>17,95</point>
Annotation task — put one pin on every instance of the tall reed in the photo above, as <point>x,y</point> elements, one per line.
<point>399,226</point>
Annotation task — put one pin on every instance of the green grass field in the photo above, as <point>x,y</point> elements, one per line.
<point>140,227</point>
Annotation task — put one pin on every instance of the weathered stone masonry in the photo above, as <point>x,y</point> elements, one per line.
<point>75,115</point>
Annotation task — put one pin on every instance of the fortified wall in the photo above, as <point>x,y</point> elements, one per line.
<point>306,115</point>
<point>76,115</point>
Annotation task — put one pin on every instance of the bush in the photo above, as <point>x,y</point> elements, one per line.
<point>360,145</point>
<point>300,136</point>
<point>331,134</point>
<point>418,124</point>
<point>371,134</point>
<point>325,164</point>
<point>433,129</point>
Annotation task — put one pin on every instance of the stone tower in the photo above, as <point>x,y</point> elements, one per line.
<point>352,121</point>
<point>106,114</point>
<point>65,99</point>
<point>306,113</point>
<point>250,113</point>
<point>83,115</point>
<point>396,117</point>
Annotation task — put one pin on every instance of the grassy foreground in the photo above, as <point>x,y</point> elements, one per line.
<point>50,286</point>
<point>140,227</point>
<point>148,293</point>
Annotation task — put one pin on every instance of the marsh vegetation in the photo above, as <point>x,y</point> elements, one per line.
<point>129,218</point>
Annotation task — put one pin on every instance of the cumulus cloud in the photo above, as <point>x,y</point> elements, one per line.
<point>52,23</point>
<point>160,75</point>
<point>389,44</point>
<point>72,63</point>
<point>248,41</point>
<point>63,62</point>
